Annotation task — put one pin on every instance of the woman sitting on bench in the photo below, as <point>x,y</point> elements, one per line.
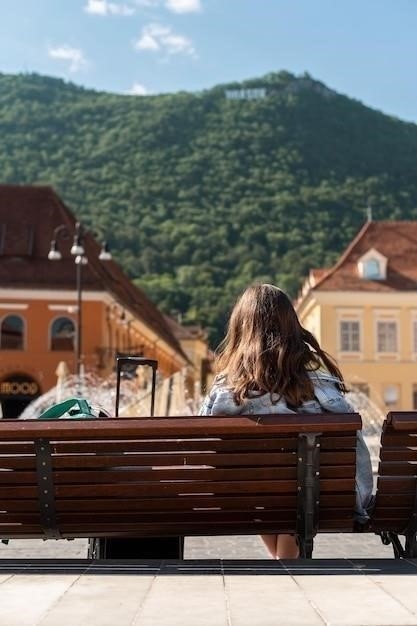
<point>269,363</point>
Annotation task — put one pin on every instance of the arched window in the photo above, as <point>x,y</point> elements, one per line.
<point>62,334</point>
<point>12,333</point>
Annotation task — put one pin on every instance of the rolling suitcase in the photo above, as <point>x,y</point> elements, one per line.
<point>135,547</point>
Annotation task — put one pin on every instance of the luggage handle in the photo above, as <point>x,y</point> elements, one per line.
<point>139,360</point>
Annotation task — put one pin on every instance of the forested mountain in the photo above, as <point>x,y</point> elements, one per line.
<point>200,193</point>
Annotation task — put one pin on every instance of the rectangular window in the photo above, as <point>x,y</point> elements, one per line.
<point>349,336</point>
<point>387,336</point>
<point>414,397</point>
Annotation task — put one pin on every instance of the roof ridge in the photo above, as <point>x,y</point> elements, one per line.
<point>395,240</point>
<point>345,254</point>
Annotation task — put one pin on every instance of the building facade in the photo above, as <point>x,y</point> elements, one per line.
<point>40,321</point>
<point>199,374</point>
<point>363,311</point>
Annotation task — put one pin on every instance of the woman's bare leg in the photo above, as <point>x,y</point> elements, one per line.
<point>282,546</point>
<point>271,543</point>
<point>287,547</point>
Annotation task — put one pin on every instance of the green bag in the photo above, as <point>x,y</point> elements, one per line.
<point>75,408</point>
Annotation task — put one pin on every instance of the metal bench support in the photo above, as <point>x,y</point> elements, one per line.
<point>308,491</point>
<point>46,491</point>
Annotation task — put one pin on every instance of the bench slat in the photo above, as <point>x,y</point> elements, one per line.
<point>179,474</point>
<point>394,439</point>
<point>152,530</point>
<point>71,429</point>
<point>396,484</point>
<point>402,420</point>
<point>178,503</point>
<point>202,458</point>
<point>16,463</point>
<point>398,454</point>
<point>405,468</point>
<point>338,485</point>
<point>208,515</point>
<point>346,442</point>
<point>16,447</point>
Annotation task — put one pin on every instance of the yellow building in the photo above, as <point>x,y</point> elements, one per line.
<point>193,341</point>
<point>363,311</point>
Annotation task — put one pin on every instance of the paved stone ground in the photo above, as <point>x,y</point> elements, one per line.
<point>244,547</point>
<point>318,592</point>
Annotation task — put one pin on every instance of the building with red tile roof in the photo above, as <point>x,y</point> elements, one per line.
<point>39,307</point>
<point>363,311</point>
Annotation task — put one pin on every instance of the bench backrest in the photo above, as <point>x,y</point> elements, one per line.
<point>131,477</point>
<point>396,497</point>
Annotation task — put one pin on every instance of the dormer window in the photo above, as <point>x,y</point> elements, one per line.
<point>372,266</point>
<point>372,270</point>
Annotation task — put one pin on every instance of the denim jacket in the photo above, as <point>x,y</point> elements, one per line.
<point>328,398</point>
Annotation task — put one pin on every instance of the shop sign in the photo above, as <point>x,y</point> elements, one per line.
<point>19,387</point>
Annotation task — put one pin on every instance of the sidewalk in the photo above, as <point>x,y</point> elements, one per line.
<point>51,584</point>
<point>355,592</point>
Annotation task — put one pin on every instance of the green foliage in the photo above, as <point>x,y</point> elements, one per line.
<point>199,195</point>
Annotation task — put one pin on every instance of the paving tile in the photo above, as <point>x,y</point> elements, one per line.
<point>185,601</point>
<point>4,577</point>
<point>354,601</point>
<point>99,601</point>
<point>37,548</point>
<point>402,588</point>
<point>24,599</point>
<point>268,601</point>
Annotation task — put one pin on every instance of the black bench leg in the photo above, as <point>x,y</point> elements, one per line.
<point>94,548</point>
<point>389,537</point>
<point>410,551</point>
<point>306,547</point>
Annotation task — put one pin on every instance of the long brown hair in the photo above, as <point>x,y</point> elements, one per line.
<point>267,350</point>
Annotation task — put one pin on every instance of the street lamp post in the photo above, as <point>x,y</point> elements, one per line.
<point>80,259</point>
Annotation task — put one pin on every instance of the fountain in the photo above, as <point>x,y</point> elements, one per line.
<point>135,395</point>
<point>372,420</point>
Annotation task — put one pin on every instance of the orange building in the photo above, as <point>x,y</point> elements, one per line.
<point>39,298</point>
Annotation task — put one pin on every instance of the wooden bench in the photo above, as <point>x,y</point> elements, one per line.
<point>169,477</point>
<point>395,510</point>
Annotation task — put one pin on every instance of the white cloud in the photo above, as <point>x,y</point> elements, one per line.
<point>138,90</point>
<point>104,7</point>
<point>176,6</point>
<point>75,56</point>
<point>183,6</point>
<point>147,3</point>
<point>158,38</point>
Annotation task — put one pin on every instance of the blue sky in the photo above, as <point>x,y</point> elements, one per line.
<point>366,49</point>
